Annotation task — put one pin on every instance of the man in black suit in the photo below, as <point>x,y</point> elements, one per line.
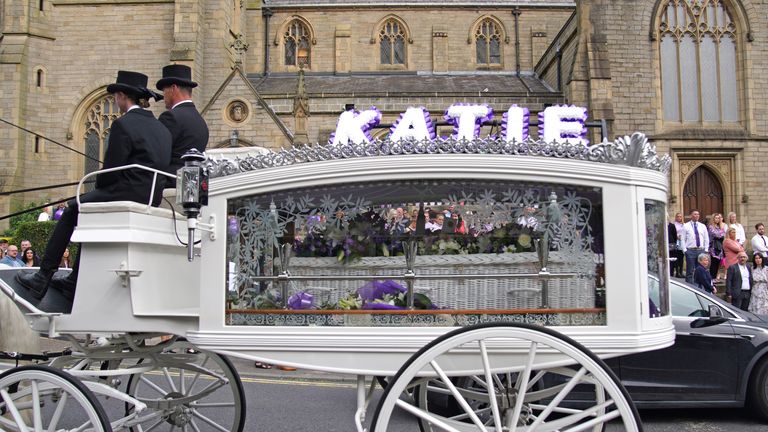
<point>738,283</point>
<point>135,138</point>
<point>187,127</point>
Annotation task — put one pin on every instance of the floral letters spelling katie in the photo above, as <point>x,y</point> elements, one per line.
<point>558,123</point>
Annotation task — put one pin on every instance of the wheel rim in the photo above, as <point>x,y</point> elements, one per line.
<point>39,398</point>
<point>532,370</point>
<point>186,391</point>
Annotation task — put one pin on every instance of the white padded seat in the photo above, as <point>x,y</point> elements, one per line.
<point>128,206</point>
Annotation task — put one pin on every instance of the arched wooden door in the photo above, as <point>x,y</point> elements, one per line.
<point>703,192</point>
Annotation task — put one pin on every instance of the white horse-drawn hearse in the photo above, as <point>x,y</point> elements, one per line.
<point>480,280</point>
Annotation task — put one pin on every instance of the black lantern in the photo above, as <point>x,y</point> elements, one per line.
<point>192,192</point>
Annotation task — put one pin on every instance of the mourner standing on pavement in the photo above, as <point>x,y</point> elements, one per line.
<point>702,278</point>
<point>738,283</point>
<point>187,127</point>
<point>760,241</point>
<point>134,138</point>
<point>695,240</point>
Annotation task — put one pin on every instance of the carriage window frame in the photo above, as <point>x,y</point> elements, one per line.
<point>503,221</point>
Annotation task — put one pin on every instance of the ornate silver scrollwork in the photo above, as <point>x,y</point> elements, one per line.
<point>633,150</point>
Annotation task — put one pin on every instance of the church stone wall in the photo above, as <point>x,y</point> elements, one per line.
<point>734,154</point>
<point>92,42</point>
<point>536,28</point>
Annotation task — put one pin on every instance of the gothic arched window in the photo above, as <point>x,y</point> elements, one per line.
<point>98,120</point>
<point>488,43</point>
<point>392,43</point>
<point>297,44</point>
<point>698,62</point>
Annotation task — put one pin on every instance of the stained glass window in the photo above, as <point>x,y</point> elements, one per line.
<point>297,44</point>
<point>488,43</point>
<point>392,43</point>
<point>698,62</point>
<point>98,121</point>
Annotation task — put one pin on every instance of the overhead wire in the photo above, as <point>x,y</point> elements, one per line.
<point>42,187</point>
<point>49,139</point>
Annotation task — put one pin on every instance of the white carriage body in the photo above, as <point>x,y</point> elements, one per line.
<point>135,276</point>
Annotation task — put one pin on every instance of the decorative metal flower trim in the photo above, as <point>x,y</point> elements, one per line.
<point>635,151</point>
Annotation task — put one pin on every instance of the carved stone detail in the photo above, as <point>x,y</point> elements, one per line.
<point>237,111</point>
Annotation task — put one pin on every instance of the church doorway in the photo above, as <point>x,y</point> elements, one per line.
<point>704,192</point>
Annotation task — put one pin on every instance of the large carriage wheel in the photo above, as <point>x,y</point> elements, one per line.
<point>190,390</point>
<point>40,398</point>
<point>538,381</point>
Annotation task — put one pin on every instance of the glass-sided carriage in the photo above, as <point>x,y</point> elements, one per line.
<point>547,257</point>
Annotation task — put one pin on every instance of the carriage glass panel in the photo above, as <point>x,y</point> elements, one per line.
<point>443,252</point>
<point>658,260</point>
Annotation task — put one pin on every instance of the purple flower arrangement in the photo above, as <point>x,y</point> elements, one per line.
<point>374,295</point>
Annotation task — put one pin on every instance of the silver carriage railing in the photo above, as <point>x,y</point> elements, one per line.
<point>284,278</point>
<point>121,168</point>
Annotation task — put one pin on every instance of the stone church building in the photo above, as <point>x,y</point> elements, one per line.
<point>273,73</point>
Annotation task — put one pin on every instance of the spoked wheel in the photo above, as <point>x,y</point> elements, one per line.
<point>504,377</point>
<point>40,398</point>
<point>190,390</point>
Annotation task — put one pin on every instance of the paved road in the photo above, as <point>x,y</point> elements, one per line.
<point>315,401</point>
<point>287,401</point>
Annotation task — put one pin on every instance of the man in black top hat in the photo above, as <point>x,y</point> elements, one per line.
<point>187,127</point>
<point>134,138</point>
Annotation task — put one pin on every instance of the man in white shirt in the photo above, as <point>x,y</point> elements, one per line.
<point>760,241</point>
<point>695,240</point>
<point>738,283</point>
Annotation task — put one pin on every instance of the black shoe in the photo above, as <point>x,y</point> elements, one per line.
<point>66,286</point>
<point>37,282</point>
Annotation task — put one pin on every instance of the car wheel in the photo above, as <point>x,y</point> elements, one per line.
<point>758,389</point>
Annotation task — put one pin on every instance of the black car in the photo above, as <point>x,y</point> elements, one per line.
<point>719,358</point>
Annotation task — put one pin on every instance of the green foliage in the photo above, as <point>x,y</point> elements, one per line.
<point>30,216</point>
<point>38,233</point>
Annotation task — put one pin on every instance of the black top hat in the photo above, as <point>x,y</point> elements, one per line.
<point>176,74</point>
<point>129,82</point>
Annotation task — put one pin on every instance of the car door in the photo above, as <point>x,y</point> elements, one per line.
<point>702,364</point>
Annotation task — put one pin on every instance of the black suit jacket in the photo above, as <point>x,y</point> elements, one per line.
<point>671,235</point>
<point>135,138</point>
<point>188,130</point>
<point>733,280</point>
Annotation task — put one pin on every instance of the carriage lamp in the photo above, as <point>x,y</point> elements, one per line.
<point>192,193</point>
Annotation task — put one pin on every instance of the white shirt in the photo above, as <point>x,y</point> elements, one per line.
<point>741,236</point>
<point>42,217</point>
<point>179,103</point>
<point>689,236</point>
<point>744,277</point>
<point>760,244</point>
